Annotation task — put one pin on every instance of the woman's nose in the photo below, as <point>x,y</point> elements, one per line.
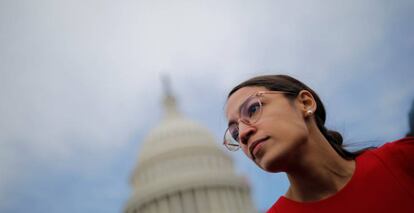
<point>245,132</point>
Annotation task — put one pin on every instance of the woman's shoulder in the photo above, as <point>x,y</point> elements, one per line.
<point>398,153</point>
<point>409,140</point>
<point>398,157</point>
<point>403,147</point>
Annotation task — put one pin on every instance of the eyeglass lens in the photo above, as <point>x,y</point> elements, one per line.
<point>249,114</point>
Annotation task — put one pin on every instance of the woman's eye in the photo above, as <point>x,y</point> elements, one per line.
<point>235,135</point>
<point>234,131</point>
<point>253,109</point>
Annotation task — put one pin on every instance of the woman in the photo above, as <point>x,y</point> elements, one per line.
<point>278,122</point>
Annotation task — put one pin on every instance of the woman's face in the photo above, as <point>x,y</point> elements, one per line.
<point>275,140</point>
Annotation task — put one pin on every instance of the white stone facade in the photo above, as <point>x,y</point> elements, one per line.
<point>181,169</point>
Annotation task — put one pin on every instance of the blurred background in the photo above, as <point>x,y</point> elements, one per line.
<point>80,83</point>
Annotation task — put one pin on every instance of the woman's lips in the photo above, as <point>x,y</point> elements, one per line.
<point>256,146</point>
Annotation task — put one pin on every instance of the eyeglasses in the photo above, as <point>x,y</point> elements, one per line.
<point>250,112</point>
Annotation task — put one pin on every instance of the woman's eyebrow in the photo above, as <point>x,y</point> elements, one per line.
<point>239,109</point>
<point>231,122</point>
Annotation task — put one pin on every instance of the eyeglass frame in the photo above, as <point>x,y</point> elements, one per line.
<point>236,146</point>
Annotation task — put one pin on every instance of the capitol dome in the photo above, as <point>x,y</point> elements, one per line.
<point>181,169</point>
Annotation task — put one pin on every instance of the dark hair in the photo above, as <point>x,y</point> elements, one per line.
<point>293,86</point>
<point>411,121</point>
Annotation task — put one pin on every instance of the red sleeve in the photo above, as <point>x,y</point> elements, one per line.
<point>398,156</point>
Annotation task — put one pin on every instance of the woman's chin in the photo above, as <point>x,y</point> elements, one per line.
<point>268,166</point>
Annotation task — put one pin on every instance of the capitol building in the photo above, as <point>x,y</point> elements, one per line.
<point>182,169</point>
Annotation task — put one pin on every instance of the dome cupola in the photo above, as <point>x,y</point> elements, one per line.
<point>181,168</point>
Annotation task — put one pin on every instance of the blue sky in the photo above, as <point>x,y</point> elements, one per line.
<point>80,83</point>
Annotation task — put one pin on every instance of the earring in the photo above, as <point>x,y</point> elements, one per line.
<point>309,112</point>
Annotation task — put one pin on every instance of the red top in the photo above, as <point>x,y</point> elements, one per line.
<point>383,181</point>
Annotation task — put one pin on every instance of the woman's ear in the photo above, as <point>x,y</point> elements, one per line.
<point>307,103</point>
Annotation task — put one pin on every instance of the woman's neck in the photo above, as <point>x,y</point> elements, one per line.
<point>319,172</point>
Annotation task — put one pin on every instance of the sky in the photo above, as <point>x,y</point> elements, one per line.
<point>80,83</point>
